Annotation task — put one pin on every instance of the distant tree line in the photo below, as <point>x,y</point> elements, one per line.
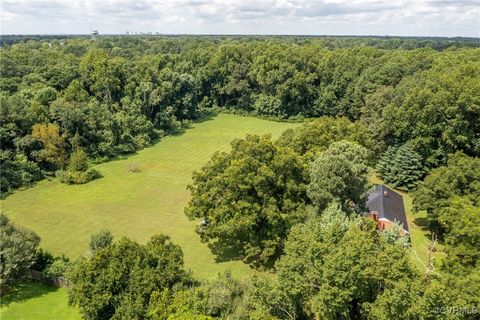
<point>119,94</point>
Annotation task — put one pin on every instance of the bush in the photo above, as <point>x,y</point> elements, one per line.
<point>133,167</point>
<point>78,171</point>
<point>78,177</point>
<point>43,260</point>
<point>58,268</point>
<point>100,240</point>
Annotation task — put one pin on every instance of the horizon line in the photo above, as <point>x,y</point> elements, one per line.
<point>150,33</point>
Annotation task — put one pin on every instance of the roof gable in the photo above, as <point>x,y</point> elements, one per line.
<point>388,204</point>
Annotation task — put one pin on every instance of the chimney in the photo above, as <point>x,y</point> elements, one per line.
<point>385,193</point>
<point>374,215</point>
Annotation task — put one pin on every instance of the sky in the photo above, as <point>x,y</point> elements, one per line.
<point>321,17</point>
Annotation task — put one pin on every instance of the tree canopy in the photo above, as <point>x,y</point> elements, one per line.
<point>18,248</point>
<point>248,198</point>
<point>120,94</point>
<point>120,279</point>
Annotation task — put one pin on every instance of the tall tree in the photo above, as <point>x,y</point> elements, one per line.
<point>53,153</point>
<point>18,249</point>
<point>119,280</point>
<point>402,167</point>
<point>459,178</point>
<point>340,174</point>
<point>248,198</point>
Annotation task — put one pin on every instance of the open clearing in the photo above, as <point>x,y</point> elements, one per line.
<point>33,300</point>
<point>137,205</point>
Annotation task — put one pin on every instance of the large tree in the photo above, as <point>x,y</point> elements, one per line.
<point>119,280</point>
<point>401,167</point>
<point>317,135</point>
<point>459,178</point>
<point>53,153</point>
<point>340,174</point>
<point>248,198</point>
<point>18,247</point>
<point>333,267</point>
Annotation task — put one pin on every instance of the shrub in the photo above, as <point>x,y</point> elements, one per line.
<point>100,240</point>
<point>78,177</point>
<point>133,167</point>
<point>43,260</point>
<point>58,268</point>
<point>78,171</point>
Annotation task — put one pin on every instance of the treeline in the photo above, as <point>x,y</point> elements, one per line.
<point>384,42</point>
<point>119,94</point>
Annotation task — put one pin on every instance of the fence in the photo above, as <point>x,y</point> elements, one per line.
<point>56,281</point>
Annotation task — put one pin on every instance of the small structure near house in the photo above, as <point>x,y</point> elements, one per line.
<point>386,207</point>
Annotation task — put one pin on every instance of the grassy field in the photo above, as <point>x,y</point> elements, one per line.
<point>33,300</point>
<point>137,205</point>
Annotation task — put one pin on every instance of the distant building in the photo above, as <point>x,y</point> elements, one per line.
<point>94,34</point>
<point>386,207</point>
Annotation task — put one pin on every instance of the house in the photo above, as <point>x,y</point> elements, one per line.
<point>386,207</point>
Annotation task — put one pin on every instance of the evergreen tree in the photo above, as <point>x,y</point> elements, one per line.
<point>384,163</point>
<point>78,171</point>
<point>402,168</point>
<point>78,161</point>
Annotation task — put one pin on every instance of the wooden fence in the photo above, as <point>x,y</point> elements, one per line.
<point>56,281</point>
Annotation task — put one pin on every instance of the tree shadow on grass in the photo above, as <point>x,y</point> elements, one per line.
<point>225,251</point>
<point>423,223</point>
<point>25,291</point>
<point>206,116</point>
<point>428,228</point>
<point>180,131</point>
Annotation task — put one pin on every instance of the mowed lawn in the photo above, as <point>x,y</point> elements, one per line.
<point>137,205</point>
<point>37,301</point>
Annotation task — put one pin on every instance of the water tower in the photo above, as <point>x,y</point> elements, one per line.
<point>94,34</point>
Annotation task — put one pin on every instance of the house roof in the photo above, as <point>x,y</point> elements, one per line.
<point>388,204</point>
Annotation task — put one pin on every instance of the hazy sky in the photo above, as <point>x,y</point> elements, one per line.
<point>341,17</point>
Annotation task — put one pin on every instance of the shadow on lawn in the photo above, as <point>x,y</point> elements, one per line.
<point>25,291</point>
<point>225,251</point>
<point>207,116</point>
<point>121,156</point>
<point>427,228</point>
<point>422,222</point>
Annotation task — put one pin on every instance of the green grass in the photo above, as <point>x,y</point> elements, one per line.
<point>420,236</point>
<point>137,205</point>
<point>33,300</point>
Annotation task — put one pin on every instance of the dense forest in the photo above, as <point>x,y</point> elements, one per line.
<point>119,94</point>
<point>406,109</point>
